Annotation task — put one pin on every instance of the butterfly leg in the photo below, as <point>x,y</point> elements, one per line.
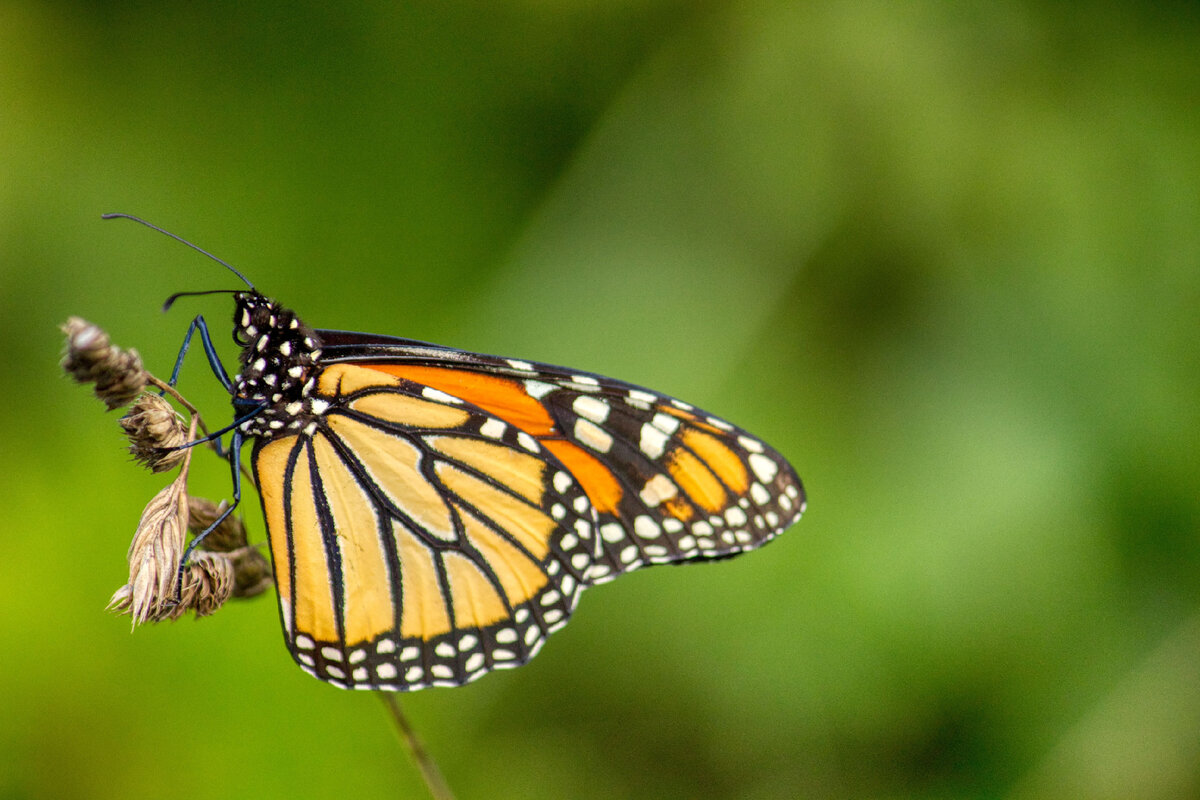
<point>215,436</point>
<point>214,361</point>
<point>235,463</point>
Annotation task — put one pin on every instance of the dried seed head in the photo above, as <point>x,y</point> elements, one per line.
<point>92,358</point>
<point>226,537</point>
<point>251,572</point>
<point>155,433</point>
<point>207,584</point>
<point>154,556</point>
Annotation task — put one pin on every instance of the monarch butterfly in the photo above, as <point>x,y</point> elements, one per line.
<point>434,514</point>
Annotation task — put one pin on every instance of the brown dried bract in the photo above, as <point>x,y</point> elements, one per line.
<point>207,584</point>
<point>91,357</point>
<point>252,572</point>
<point>155,432</point>
<point>154,556</point>
<point>226,537</point>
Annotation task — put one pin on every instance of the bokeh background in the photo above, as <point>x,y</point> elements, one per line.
<point>946,257</point>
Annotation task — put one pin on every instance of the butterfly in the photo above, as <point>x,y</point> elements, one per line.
<point>434,514</point>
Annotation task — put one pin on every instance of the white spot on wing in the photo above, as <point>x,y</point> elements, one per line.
<point>653,441</point>
<point>430,393</point>
<point>593,435</point>
<point>493,428</point>
<point>646,527</point>
<point>666,423</point>
<point>612,532</point>
<point>763,467</point>
<point>537,389</point>
<point>753,445</point>
<point>658,489</point>
<point>592,408</point>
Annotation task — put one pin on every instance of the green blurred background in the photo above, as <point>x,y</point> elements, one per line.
<point>946,257</point>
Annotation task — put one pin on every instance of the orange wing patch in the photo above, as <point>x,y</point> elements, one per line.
<point>423,615</point>
<point>270,472</point>
<point>697,480</point>
<point>597,480</point>
<point>503,397</point>
<point>526,524</point>
<point>367,598</point>
<point>519,575</point>
<point>507,399</point>
<point>724,463</point>
<point>313,594</point>
<point>521,472</point>
<point>475,601</point>
<point>399,461</point>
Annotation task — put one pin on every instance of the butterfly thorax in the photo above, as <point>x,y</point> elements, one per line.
<point>278,360</point>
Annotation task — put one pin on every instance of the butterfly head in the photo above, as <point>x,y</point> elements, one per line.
<point>279,352</point>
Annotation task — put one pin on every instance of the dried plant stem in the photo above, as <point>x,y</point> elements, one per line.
<point>169,389</point>
<point>438,789</point>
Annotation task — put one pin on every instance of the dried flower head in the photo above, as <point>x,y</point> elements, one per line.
<point>154,556</point>
<point>252,572</point>
<point>91,357</point>
<point>155,432</point>
<point>207,584</point>
<point>226,537</point>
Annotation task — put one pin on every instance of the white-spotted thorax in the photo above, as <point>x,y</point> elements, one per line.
<point>278,367</point>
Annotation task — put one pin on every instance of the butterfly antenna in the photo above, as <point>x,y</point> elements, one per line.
<point>171,300</point>
<point>181,240</point>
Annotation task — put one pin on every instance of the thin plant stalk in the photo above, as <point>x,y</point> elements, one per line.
<point>430,774</point>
